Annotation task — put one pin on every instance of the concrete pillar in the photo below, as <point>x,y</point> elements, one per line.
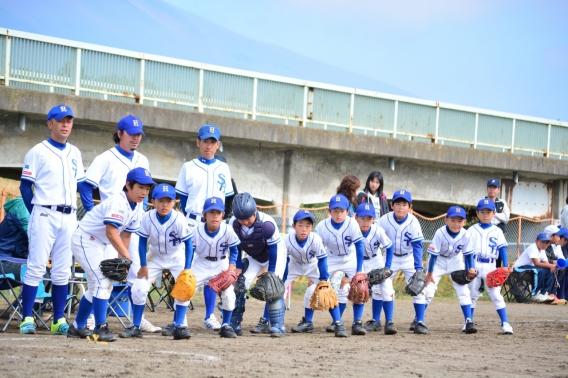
<point>559,194</point>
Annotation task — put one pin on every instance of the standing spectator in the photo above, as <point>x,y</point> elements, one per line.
<point>564,215</point>
<point>373,193</point>
<point>502,214</point>
<point>348,188</point>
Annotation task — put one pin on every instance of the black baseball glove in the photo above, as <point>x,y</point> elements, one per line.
<point>115,269</point>
<point>416,284</point>
<point>378,276</point>
<point>268,288</point>
<point>239,284</point>
<point>463,277</point>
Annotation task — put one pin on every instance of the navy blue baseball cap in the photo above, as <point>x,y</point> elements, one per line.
<point>456,211</point>
<point>132,125</point>
<point>209,131</point>
<point>141,176</point>
<point>543,236</point>
<point>366,209</point>
<point>304,214</point>
<point>60,111</point>
<point>404,194</point>
<point>493,182</point>
<point>164,190</point>
<point>213,203</point>
<point>338,200</point>
<point>486,203</point>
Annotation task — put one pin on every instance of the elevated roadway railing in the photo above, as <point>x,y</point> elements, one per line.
<point>44,63</point>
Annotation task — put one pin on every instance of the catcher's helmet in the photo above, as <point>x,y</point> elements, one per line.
<point>244,206</point>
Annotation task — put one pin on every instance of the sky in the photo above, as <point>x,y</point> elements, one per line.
<point>509,56</point>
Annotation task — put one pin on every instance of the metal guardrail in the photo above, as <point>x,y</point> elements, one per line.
<point>44,63</point>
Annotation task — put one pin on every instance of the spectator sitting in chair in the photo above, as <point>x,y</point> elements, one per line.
<point>534,258</point>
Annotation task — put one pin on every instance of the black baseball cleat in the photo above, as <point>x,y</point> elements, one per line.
<point>421,328</point>
<point>169,330</point>
<point>412,325</point>
<point>330,328</point>
<point>339,329</point>
<point>358,329</point>
<point>227,331</point>
<point>304,327</point>
<point>104,334</point>
<point>390,329</point>
<point>181,332</point>
<point>79,333</point>
<point>470,327</point>
<point>131,332</point>
<point>373,325</point>
<point>262,327</point>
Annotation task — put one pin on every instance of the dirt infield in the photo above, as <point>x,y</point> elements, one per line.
<point>536,349</point>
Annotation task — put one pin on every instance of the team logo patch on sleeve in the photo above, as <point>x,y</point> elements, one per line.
<point>431,248</point>
<point>117,216</point>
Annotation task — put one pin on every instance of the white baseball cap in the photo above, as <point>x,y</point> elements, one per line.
<point>552,229</point>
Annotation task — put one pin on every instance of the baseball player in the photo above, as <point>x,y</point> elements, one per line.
<point>107,172</point>
<point>374,237</point>
<point>306,257</point>
<point>260,239</point>
<point>199,179</point>
<point>502,212</point>
<point>170,248</point>
<point>53,168</point>
<point>450,242</point>
<point>112,222</point>
<point>344,242</point>
<point>403,229</point>
<point>488,243</point>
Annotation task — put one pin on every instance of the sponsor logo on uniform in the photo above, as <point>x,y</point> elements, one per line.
<point>26,166</point>
<point>42,214</point>
<point>92,238</point>
<point>431,248</point>
<point>250,245</point>
<point>29,173</point>
<point>121,211</point>
<point>117,216</point>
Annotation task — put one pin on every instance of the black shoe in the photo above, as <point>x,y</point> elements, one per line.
<point>104,334</point>
<point>79,333</point>
<point>303,327</point>
<point>421,328</point>
<point>238,329</point>
<point>373,325</point>
<point>412,325</point>
<point>181,332</point>
<point>470,327</point>
<point>390,329</point>
<point>330,328</point>
<point>339,329</point>
<point>357,328</point>
<point>262,327</point>
<point>169,330</point>
<point>227,331</point>
<point>131,332</point>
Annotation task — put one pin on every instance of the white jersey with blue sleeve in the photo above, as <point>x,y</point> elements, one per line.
<point>374,240</point>
<point>443,244</point>
<point>339,242</point>
<point>167,238</point>
<point>486,242</point>
<point>216,246</point>
<point>114,210</point>
<point>312,250</point>
<point>402,235</point>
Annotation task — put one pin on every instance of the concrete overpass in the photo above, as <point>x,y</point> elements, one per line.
<point>294,164</point>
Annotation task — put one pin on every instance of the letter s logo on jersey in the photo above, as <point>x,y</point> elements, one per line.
<point>407,238</point>
<point>221,182</point>
<point>223,247</point>
<point>174,239</point>
<point>74,168</point>
<point>493,244</point>
<point>348,241</point>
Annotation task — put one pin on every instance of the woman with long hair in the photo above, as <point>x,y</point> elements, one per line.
<point>373,193</point>
<point>348,188</point>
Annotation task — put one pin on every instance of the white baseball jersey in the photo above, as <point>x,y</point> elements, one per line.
<point>53,185</point>
<point>216,246</point>
<point>199,181</point>
<point>168,238</point>
<point>116,210</point>
<point>374,240</point>
<point>263,218</point>
<point>445,245</point>
<point>532,252</point>
<point>109,170</point>
<point>339,242</point>
<point>402,235</point>
<point>312,250</point>
<point>486,242</point>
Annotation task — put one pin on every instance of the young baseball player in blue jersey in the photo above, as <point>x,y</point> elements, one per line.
<point>306,257</point>
<point>170,239</point>
<point>112,222</point>
<point>53,168</point>
<point>344,241</point>
<point>488,243</point>
<point>405,232</point>
<point>374,237</point>
<point>449,244</point>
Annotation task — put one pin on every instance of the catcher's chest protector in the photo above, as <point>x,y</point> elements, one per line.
<point>255,243</point>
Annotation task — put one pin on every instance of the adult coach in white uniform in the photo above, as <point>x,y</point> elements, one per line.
<point>108,172</point>
<point>53,167</point>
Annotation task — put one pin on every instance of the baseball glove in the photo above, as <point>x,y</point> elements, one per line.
<point>463,277</point>
<point>324,297</point>
<point>223,280</point>
<point>378,276</point>
<point>497,277</point>
<point>359,291</point>
<point>184,289</point>
<point>239,284</point>
<point>115,269</point>
<point>268,288</point>
<point>416,284</point>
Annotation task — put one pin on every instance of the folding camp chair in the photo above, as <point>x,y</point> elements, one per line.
<point>8,284</point>
<point>119,304</point>
<point>518,287</point>
<point>163,287</point>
